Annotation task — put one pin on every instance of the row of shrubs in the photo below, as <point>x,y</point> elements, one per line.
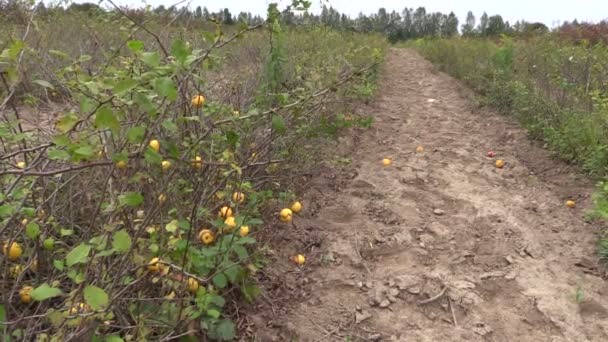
<point>140,163</point>
<point>556,89</point>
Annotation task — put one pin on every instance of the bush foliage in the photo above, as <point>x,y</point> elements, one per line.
<point>124,193</point>
<point>556,89</point>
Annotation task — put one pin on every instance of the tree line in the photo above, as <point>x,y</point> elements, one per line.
<point>409,23</point>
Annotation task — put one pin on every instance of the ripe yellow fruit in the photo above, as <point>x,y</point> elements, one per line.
<point>24,222</point>
<point>25,294</point>
<point>197,162</point>
<point>155,145</point>
<point>79,308</point>
<point>162,198</point>
<point>192,285</point>
<point>500,163</point>
<point>198,101</point>
<point>206,236</point>
<point>244,231</point>
<point>299,259</point>
<point>296,207</point>
<point>386,162</point>
<point>121,164</point>
<point>15,271</point>
<point>229,224</point>
<point>13,252</point>
<point>154,265</point>
<point>166,165</point>
<point>570,204</point>
<point>419,149</point>
<point>286,215</point>
<point>21,165</point>
<point>238,197</point>
<point>225,212</point>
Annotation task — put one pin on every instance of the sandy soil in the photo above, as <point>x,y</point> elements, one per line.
<point>441,245</point>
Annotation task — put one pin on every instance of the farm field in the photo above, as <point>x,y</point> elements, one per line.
<point>171,174</point>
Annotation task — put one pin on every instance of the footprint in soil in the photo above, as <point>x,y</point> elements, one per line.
<point>379,212</point>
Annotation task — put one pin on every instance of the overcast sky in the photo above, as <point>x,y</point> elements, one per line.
<point>546,11</point>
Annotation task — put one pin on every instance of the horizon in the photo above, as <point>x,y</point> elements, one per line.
<point>561,10</point>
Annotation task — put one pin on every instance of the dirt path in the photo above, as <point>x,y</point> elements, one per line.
<point>441,245</point>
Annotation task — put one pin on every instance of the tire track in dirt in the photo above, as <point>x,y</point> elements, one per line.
<point>496,247</point>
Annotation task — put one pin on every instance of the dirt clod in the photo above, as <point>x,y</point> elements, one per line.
<point>362,316</point>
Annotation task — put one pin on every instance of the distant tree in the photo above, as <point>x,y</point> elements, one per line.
<point>419,22</point>
<point>483,24</point>
<point>449,27</point>
<point>539,27</point>
<point>496,26</point>
<point>407,24</point>
<point>243,17</point>
<point>227,17</point>
<point>468,28</point>
<point>206,14</point>
<point>160,9</point>
<point>198,13</point>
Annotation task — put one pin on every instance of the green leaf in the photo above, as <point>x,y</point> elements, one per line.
<point>2,314</point>
<point>95,297</point>
<point>213,313</point>
<point>77,277</point>
<point>61,140</point>
<point>32,230</point>
<point>66,232</point>
<point>121,241</point>
<point>217,300</point>
<point>169,125</point>
<point>232,137</point>
<point>179,50</point>
<point>105,253</point>
<point>136,134</point>
<point>44,291</point>
<point>113,338</point>
<point>246,240</point>
<point>152,157</point>
<point>224,330</point>
<point>151,59</point>
<point>220,281</point>
<point>44,83</point>
<point>6,210</point>
<point>145,104</point>
<point>135,45</point>
<point>124,86</point>
<point>165,87</point>
<point>67,122</point>
<point>58,264</point>
<point>171,227</point>
<point>57,154</point>
<point>278,124</point>
<point>250,290</point>
<point>78,255</point>
<point>84,152</point>
<point>184,224</point>
<point>233,273</point>
<point>131,199</point>
<point>59,53</point>
<point>241,252</point>
<point>106,118</point>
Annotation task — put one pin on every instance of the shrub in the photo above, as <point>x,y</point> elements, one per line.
<point>116,203</point>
